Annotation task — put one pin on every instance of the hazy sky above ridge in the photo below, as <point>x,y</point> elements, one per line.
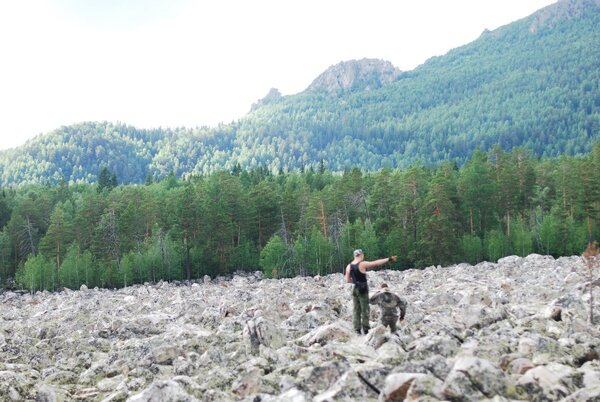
<point>175,63</point>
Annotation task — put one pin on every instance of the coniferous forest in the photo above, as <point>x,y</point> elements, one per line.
<point>304,222</point>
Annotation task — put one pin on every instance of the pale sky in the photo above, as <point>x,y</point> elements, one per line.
<point>174,63</point>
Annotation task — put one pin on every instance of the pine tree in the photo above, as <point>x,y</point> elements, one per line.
<point>591,190</point>
<point>438,241</point>
<point>476,191</point>
<point>265,213</point>
<point>320,252</point>
<point>272,257</point>
<point>413,191</point>
<point>104,179</point>
<point>59,235</point>
<point>506,187</point>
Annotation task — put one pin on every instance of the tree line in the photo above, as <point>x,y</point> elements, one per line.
<point>304,222</point>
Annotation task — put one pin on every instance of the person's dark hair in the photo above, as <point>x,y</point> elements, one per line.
<point>384,285</point>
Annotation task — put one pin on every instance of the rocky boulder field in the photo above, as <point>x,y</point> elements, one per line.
<point>513,330</point>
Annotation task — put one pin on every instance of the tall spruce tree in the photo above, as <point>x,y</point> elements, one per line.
<point>477,188</point>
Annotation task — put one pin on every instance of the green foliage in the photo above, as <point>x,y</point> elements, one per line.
<point>367,240</point>
<point>38,273</point>
<point>131,269</point>
<point>58,236</point>
<point>105,180</point>
<point>521,238</point>
<point>5,253</point>
<point>244,257</point>
<point>548,235</point>
<point>437,221</point>
<point>272,256</point>
<point>162,258</point>
<point>472,249</point>
<point>575,238</point>
<point>78,269</point>
<point>477,187</point>
<point>496,244</point>
<point>320,253</point>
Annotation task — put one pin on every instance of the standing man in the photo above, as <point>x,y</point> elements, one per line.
<point>356,273</point>
<point>389,303</point>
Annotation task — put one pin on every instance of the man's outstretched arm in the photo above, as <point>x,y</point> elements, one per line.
<point>372,264</point>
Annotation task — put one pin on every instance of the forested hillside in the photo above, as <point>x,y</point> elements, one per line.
<point>532,83</point>
<point>297,223</point>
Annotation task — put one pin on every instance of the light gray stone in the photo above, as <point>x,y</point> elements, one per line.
<point>550,382</point>
<point>474,379</point>
<point>164,391</point>
<point>397,386</point>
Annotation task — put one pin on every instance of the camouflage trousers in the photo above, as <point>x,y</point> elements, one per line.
<point>390,321</point>
<point>360,310</point>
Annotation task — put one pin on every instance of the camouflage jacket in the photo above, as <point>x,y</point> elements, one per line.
<point>389,303</point>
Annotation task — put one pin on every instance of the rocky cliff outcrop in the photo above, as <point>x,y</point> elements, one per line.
<point>512,330</point>
<point>272,96</point>
<point>364,74</point>
<point>561,10</point>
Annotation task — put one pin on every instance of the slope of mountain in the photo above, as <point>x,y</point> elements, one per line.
<point>532,83</point>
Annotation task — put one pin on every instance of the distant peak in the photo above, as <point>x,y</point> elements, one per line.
<point>561,10</point>
<point>364,74</point>
<point>272,96</point>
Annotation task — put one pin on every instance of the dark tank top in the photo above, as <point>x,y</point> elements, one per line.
<point>357,276</point>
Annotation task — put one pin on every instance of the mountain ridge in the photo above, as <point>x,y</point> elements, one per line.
<point>530,83</point>
<point>562,9</point>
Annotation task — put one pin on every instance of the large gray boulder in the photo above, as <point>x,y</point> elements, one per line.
<point>164,391</point>
<point>550,382</point>
<point>473,379</point>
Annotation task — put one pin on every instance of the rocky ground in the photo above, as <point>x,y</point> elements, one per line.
<point>515,330</point>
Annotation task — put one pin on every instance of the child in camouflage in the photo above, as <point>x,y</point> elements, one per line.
<point>389,303</point>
